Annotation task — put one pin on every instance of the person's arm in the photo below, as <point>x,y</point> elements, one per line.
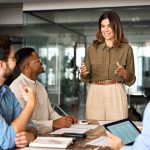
<point>7,131</point>
<point>43,126</point>
<point>85,67</point>
<point>23,138</point>
<point>58,121</point>
<point>115,143</point>
<point>46,125</point>
<point>27,132</point>
<point>50,125</point>
<point>7,134</point>
<point>130,80</point>
<point>64,122</point>
<point>83,71</point>
<point>141,142</point>
<point>21,122</point>
<point>127,73</point>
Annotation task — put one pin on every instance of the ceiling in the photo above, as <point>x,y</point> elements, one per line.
<point>136,20</point>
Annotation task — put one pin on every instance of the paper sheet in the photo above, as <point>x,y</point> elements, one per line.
<point>75,128</point>
<point>101,141</point>
<point>69,130</point>
<point>104,122</point>
<point>83,126</point>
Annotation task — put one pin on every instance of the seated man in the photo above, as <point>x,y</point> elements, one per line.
<point>44,117</point>
<point>15,129</point>
<point>142,141</point>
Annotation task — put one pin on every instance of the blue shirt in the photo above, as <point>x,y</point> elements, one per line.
<point>142,142</point>
<point>9,111</point>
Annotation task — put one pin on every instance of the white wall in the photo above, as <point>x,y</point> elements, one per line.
<point>11,14</point>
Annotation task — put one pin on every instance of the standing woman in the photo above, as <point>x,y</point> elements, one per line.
<point>108,65</point>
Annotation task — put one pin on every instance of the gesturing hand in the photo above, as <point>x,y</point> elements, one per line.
<point>83,70</point>
<point>28,94</point>
<point>121,71</point>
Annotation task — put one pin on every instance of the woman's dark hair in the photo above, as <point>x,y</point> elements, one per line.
<point>116,25</point>
<point>5,44</point>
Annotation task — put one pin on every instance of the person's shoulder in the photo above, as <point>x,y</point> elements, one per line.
<point>126,46</point>
<point>15,83</point>
<point>6,87</point>
<point>93,46</point>
<point>8,90</point>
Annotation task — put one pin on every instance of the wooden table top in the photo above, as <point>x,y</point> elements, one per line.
<point>80,143</point>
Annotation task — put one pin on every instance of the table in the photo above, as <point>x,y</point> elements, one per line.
<point>80,144</point>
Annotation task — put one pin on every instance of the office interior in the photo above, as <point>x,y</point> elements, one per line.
<point>61,37</point>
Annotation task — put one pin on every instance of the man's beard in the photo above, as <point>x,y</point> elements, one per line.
<point>8,72</point>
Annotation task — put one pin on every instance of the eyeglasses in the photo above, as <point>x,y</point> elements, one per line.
<point>36,60</point>
<point>32,61</point>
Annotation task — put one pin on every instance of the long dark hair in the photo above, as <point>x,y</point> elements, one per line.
<point>116,25</point>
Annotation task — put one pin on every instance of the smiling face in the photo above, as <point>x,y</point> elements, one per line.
<point>106,30</point>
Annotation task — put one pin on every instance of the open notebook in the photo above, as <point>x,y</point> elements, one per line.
<point>53,142</point>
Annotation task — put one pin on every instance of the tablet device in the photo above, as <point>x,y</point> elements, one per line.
<point>125,129</point>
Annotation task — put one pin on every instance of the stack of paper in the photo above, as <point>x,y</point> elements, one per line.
<point>53,142</point>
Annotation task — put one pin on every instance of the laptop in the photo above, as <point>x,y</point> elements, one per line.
<point>125,129</point>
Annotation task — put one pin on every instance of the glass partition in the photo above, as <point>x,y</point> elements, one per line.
<point>61,51</point>
<point>67,33</point>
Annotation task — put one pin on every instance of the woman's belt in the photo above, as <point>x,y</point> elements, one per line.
<point>106,82</point>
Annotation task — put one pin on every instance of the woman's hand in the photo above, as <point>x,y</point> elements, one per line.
<point>122,72</point>
<point>83,70</point>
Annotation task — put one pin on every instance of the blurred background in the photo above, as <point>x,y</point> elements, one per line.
<point>60,31</point>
